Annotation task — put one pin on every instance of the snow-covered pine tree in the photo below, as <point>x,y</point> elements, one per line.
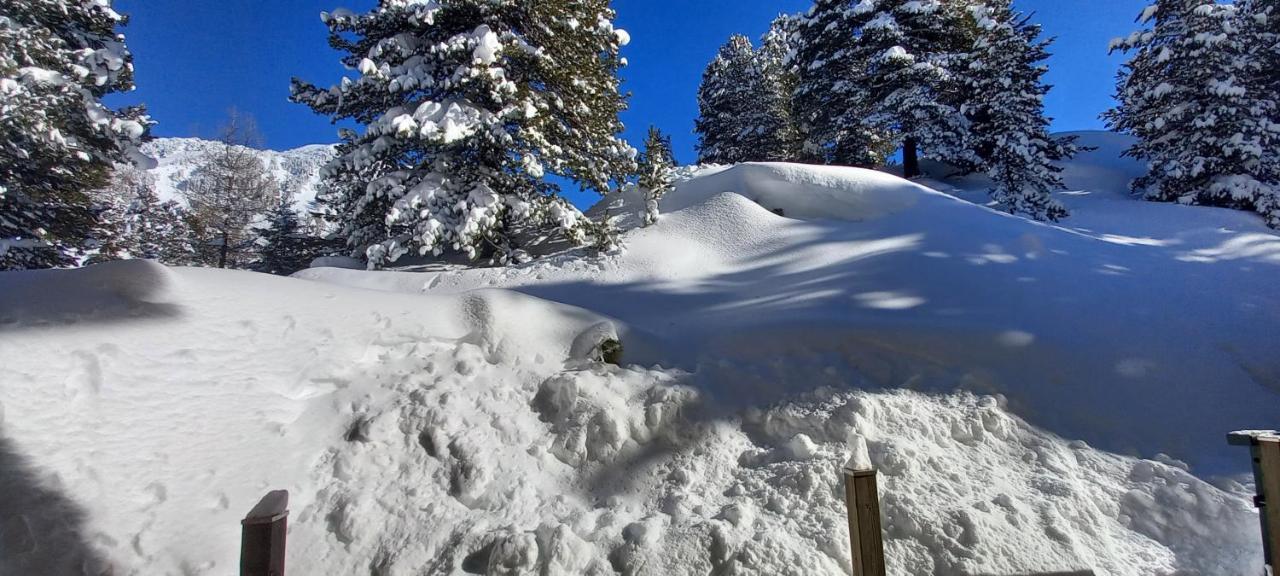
<point>905,53</point>
<point>470,104</point>
<point>1008,130</point>
<point>779,135</point>
<point>829,104</point>
<point>727,105</point>
<point>1205,131</point>
<point>744,102</point>
<point>284,247</point>
<point>108,240</point>
<point>58,142</point>
<point>1260,20</point>
<point>156,230</point>
<point>228,193</point>
<point>657,165</point>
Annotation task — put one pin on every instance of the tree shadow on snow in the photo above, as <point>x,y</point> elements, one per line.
<point>41,530</point>
<point>113,292</point>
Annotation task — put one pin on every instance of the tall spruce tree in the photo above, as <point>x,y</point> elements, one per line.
<point>283,246</point>
<point>155,229</point>
<point>657,166</point>
<point>830,103</point>
<point>1260,22</point>
<point>779,134</point>
<point>744,102</point>
<point>905,53</point>
<point>1008,131</point>
<point>58,142</point>
<point>1191,94</point>
<point>727,104</point>
<point>468,105</point>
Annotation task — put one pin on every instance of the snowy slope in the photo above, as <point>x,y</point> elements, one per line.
<point>1016,385</point>
<point>297,170</point>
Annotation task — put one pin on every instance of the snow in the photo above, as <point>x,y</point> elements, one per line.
<point>1035,398</point>
<point>298,170</point>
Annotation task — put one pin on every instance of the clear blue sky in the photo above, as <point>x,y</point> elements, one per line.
<point>197,58</point>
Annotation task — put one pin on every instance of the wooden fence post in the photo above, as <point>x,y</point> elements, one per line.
<point>262,536</point>
<point>865,538</point>
<point>1264,448</point>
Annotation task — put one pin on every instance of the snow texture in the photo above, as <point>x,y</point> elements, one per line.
<point>1031,403</point>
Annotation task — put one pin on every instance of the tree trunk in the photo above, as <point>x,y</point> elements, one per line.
<point>222,250</point>
<point>910,159</point>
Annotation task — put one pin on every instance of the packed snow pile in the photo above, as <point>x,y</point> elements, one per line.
<point>1037,399</point>
<point>297,170</point>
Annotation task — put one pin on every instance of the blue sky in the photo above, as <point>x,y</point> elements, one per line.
<point>196,59</point>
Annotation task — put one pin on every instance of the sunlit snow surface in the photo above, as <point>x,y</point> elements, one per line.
<point>1017,385</point>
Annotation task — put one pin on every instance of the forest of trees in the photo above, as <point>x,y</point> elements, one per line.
<point>474,113</point>
<point>961,83</point>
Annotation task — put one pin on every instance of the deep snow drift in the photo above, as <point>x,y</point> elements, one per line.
<point>1016,385</point>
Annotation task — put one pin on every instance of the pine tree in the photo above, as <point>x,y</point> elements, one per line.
<point>1260,22</point>
<point>58,142</point>
<point>657,166</point>
<point>744,101</point>
<point>360,219</point>
<point>905,53</point>
<point>156,230</point>
<point>727,104</point>
<point>471,104</point>
<point>229,192</point>
<point>1191,95</point>
<point>1008,131</point>
<point>830,105</point>
<point>779,136</point>
<point>284,247</point>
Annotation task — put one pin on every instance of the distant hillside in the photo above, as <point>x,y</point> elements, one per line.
<point>298,169</point>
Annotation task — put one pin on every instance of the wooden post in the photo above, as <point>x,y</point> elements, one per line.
<point>1264,448</point>
<point>865,538</point>
<point>262,536</point>
<point>1269,489</point>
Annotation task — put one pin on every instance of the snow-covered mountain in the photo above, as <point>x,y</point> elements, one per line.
<point>297,170</point>
<point>1037,399</point>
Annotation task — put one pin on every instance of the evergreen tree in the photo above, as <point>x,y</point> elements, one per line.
<point>905,54</point>
<point>830,104</point>
<point>284,247</point>
<point>657,166</point>
<point>228,193</point>
<point>468,105</point>
<point>108,240</point>
<point>1260,22</point>
<point>1191,94</point>
<point>359,218</point>
<point>58,142</point>
<point>1008,131</point>
<point>779,135</point>
<point>727,104</point>
<point>744,101</point>
<point>156,230</point>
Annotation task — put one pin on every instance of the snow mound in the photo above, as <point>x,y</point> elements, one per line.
<point>1037,399</point>
<point>806,192</point>
<point>114,290</point>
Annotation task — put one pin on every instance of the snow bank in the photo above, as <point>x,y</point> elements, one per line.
<point>1029,394</point>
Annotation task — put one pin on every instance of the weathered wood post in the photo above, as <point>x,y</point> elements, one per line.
<point>262,536</point>
<point>1264,447</point>
<point>865,538</point>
